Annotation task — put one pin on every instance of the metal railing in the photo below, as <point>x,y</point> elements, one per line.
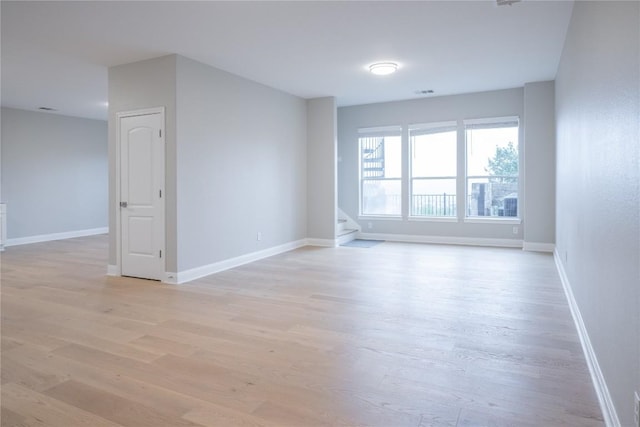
<point>433,205</point>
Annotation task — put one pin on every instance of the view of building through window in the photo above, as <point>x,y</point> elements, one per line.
<point>492,169</point>
<point>491,160</point>
<point>381,174</point>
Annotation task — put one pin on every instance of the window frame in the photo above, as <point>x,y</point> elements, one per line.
<point>487,123</point>
<point>424,129</point>
<point>373,132</point>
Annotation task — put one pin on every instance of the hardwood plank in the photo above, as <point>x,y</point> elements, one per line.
<point>8,418</point>
<point>394,335</point>
<point>112,407</point>
<point>37,409</point>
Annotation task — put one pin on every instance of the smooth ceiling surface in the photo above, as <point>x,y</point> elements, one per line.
<point>56,53</point>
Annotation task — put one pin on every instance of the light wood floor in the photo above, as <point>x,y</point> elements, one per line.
<point>394,335</point>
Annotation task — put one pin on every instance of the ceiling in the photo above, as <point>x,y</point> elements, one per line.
<point>57,53</point>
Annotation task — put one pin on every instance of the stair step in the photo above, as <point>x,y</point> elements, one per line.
<point>346,231</point>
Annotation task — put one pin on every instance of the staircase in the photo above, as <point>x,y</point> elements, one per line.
<point>344,234</point>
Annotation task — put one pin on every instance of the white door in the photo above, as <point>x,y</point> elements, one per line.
<point>142,232</point>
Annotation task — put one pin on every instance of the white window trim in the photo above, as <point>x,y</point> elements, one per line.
<point>493,220</point>
<point>372,132</point>
<point>382,217</point>
<point>491,121</point>
<point>433,218</point>
<point>446,126</point>
<point>469,123</point>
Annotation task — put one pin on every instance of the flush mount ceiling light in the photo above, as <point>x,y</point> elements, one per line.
<point>383,68</point>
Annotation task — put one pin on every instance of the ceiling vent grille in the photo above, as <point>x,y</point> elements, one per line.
<point>506,2</point>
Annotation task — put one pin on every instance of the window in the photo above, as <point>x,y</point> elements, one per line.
<point>380,171</point>
<point>492,162</point>
<point>433,162</point>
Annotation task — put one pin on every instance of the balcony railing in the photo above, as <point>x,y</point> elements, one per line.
<point>433,205</point>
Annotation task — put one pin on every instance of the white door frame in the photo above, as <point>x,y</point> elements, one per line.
<point>119,116</point>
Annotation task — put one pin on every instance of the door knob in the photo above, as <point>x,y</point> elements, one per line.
<point>123,204</point>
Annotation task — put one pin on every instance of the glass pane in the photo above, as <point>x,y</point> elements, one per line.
<point>381,157</point>
<point>492,151</point>
<point>434,154</point>
<point>393,157</point>
<point>381,197</point>
<point>491,197</point>
<point>433,197</point>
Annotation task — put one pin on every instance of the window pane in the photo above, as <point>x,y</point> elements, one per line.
<point>380,174</point>
<point>433,154</point>
<point>433,197</point>
<point>381,157</point>
<point>492,169</point>
<point>492,197</point>
<point>492,151</point>
<point>381,197</point>
<point>393,157</point>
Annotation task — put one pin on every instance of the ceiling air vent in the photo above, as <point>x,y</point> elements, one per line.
<point>506,2</point>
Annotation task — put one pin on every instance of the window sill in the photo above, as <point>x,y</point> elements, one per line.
<point>433,219</point>
<point>493,220</point>
<point>381,217</point>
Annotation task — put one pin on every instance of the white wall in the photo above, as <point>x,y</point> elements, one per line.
<point>598,186</point>
<point>476,105</point>
<point>321,169</point>
<point>540,167</point>
<point>241,166</point>
<point>54,173</point>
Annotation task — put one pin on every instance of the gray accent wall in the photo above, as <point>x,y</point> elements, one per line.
<point>540,163</point>
<point>321,168</point>
<point>598,186</point>
<point>500,103</point>
<point>145,84</point>
<point>241,166</point>
<point>54,173</point>
<point>235,159</point>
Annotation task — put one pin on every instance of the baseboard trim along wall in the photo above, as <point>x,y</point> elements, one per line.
<point>444,240</point>
<point>113,270</point>
<point>216,267</point>
<point>325,243</point>
<point>56,236</point>
<point>604,397</point>
<point>538,247</point>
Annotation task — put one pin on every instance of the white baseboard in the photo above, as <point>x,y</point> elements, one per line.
<point>445,240</point>
<point>538,247</point>
<point>113,270</point>
<point>326,243</point>
<point>604,397</point>
<point>55,236</point>
<point>216,267</point>
<point>345,238</point>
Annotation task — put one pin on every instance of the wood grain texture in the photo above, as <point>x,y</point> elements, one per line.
<point>394,335</point>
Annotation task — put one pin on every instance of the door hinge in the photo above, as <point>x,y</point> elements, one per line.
<point>160,191</point>
<point>160,253</point>
<point>160,133</point>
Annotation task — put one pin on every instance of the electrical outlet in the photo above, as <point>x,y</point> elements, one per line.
<point>515,230</point>
<point>370,225</point>
<point>259,236</point>
<point>636,408</point>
